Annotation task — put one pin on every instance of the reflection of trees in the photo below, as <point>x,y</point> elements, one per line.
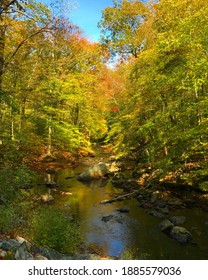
<point>96,183</point>
<point>50,178</point>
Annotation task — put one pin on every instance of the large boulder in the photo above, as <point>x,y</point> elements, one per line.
<point>181,234</point>
<point>96,171</point>
<point>166,226</point>
<point>177,220</point>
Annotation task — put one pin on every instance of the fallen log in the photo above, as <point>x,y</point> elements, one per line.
<point>119,198</point>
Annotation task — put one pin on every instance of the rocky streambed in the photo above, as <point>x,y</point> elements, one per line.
<point>19,248</point>
<point>120,217</point>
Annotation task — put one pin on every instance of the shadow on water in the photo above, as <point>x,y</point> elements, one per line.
<point>124,231</point>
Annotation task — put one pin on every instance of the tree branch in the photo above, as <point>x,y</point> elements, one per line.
<point>43,29</point>
<point>4,8</point>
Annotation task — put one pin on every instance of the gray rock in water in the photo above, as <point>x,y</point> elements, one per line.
<point>164,210</point>
<point>124,209</point>
<point>196,231</point>
<point>94,172</point>
<point>166,225</point>
<point>119,220</point>
<point>155,214</point>
<point>177,220</point>
<point>181,234</point>
<point>175,202</point>
<point>106,218</point>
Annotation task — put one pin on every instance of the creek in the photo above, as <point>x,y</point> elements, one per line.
<point>124,233</point>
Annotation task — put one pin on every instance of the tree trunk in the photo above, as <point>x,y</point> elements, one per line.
<point>12,125</point>
<point>119,198</point>
<point>2,48</point>
<point>49,138</point>
<point>76,114</point>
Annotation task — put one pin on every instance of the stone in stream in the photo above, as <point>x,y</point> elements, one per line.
<point>164,210</point>
<point>175,202</point>
<point>124,209</point>
<point>107,218</point>
<point>166,226</point>
<point>196,231</point>
<point>96,171</point>
<point>177,220</point>
<point>155,214</point>
<point>181,234</point>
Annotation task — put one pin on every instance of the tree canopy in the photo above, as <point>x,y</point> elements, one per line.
<point>141,93</point>
<point>162,118</point>
<point>57,92</point>
<point>49,82</point>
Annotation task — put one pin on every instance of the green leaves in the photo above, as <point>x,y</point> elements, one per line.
<point>120,27</point>
<point>165,115</point>
<point>52,73</point>
<point>50,227</point>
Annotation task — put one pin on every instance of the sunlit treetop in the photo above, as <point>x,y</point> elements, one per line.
<point>120,26</point>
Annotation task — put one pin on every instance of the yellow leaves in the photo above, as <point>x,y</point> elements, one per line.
<point>121,25</point>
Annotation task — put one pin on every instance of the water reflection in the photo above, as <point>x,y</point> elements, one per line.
<point>135,229</point>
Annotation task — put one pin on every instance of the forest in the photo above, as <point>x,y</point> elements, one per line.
<point>140,94</point>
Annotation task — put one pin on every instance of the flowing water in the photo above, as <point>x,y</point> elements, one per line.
<point>135,231</point>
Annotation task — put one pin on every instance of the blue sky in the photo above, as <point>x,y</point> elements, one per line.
<point>88,14</point>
